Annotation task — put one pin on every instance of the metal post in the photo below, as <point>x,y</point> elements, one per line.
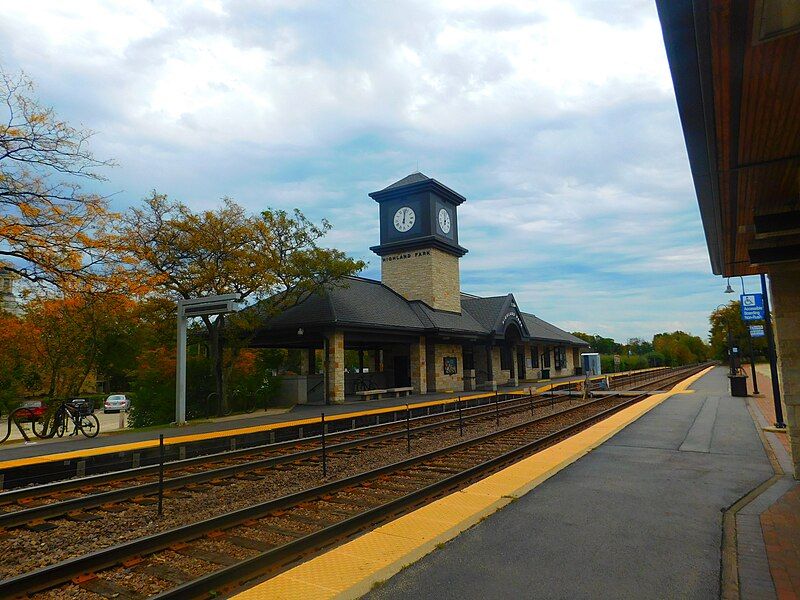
<point>460,418</point>
<point>773,365</point>
<point>180,385</point>
<point>496,409</point>
<point>752,361</point>
<point>408,430</point>
<point>160,474</point>
<point>324,452</point>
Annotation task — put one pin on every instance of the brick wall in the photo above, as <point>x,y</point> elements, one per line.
<point>419,369</point>
<point>429,275</point>
<point>785,287</point>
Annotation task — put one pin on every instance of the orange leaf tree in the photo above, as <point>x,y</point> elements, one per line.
<point>189,254</point>
<point>51,232</point>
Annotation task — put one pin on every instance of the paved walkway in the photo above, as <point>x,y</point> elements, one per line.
<point>639,517</point>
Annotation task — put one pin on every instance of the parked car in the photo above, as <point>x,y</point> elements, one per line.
<point>116,403</point>
<point>36,408</point>
<point>84,406</point>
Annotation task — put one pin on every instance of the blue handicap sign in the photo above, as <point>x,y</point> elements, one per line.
<point>752,307</point>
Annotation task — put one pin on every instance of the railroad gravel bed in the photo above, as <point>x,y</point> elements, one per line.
<point>23,550</point>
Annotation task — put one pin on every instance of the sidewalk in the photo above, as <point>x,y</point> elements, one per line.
<point>639,517</point>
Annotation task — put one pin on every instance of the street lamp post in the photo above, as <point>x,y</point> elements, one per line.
<point>729,290</point>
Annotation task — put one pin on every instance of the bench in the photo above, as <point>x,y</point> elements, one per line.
<point>401,391</point>
<point>367,394</point>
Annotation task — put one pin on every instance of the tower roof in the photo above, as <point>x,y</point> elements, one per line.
<point>407,180</point>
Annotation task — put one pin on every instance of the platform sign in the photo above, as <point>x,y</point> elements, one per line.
<point>752,307</point>
<point>757,331</point>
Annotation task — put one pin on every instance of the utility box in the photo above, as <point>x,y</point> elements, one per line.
<point>590,363</point>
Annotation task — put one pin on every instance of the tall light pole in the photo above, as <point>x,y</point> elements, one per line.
<point>729,290</point>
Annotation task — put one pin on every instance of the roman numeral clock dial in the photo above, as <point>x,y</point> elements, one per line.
<point>444,221</point>
<point>404,219</point>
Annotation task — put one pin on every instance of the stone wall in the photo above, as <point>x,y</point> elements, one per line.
<point>419,369</point>
<point>335,366</point>
<point>437,380</point>
<point>429,275</point>
<point>785,287</point>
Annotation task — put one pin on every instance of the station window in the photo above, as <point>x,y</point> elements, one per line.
<point>546,358</point>
<point>560,356</point>
<point>535,357</point>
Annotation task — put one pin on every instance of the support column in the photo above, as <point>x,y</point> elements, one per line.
<point>490,383</point>
<point>419,367</point>
<point>514,380</point>
<point>304,361</point>
<point>785,287</point>
<point>334,368</point>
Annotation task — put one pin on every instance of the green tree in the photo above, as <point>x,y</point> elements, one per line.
<point>729,318</point>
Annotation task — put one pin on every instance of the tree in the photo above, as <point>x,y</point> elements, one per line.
<point>680,348</point>
<point>728,317</point>
<point>51,233</point>
<point>271,255</point>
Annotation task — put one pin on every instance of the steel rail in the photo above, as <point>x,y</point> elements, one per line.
<point>256,566</point>
<point>61,572</point>
<point>9,496</point>
<point>84,502</point>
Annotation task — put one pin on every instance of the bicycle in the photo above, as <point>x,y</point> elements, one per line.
<point>56,424</point>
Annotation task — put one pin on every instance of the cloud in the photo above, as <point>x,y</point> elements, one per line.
<point>556,119</point>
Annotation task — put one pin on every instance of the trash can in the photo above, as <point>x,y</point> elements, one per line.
<point>738,385</point>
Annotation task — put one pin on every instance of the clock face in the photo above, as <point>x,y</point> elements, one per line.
<point>404,219</point>
<point>444,220</point>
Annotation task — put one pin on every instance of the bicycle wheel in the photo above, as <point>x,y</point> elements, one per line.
<point>89,425</point>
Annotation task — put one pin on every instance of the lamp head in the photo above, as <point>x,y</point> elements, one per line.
<point>729,289</point>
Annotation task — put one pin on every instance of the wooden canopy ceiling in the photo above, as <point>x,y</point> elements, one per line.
<point>736,69</point>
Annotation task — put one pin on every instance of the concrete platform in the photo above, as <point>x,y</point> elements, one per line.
<point>352,569</point>
<point>639,517</point>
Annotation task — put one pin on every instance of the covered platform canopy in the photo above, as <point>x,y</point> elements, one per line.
<point>406,343</point>
<point>736,70</point>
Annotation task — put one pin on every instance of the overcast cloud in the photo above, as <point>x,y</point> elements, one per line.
<point>556,120</point>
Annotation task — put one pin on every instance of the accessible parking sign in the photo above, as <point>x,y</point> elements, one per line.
<point>752,307</point>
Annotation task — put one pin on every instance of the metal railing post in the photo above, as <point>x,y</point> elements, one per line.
<point>460,418</point>
<point>160,474</point>
<point>496,410</point>
<point>408,430</point>
<point>324,450</point>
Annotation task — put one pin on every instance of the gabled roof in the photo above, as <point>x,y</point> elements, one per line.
<point>542,330</point>
<point>360,302</point>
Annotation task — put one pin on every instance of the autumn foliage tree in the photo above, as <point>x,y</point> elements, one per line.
<point>51,232</point>
<point>188,254</point>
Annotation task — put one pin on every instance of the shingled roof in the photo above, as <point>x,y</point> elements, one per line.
<point>360,302</point>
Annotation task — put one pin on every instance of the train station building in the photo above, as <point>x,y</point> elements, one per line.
<point>415,330</point>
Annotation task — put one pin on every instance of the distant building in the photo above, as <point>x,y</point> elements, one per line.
<point>8,301</point>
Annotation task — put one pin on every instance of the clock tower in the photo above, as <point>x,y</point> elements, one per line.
<point>419,247</point>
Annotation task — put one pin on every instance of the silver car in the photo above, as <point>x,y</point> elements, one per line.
<point>116,403</point>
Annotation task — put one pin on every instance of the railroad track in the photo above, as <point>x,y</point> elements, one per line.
<point>73,499</point>
<point>227,550</point>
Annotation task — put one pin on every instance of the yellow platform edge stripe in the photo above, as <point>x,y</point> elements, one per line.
<point>196,437</point>
<point>350,570</point>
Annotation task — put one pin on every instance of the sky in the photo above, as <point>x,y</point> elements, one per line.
<point>556,119</point>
